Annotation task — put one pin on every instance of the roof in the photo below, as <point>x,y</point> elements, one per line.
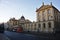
<point>46,6</point>
<point>13,19</point>
<point>27,20</point>
<point>22,17</point>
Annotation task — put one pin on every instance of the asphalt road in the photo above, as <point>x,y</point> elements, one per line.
<point>7,35</point>
<point>21,36</point>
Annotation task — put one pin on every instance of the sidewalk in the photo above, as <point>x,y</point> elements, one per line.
<point>3,37</point>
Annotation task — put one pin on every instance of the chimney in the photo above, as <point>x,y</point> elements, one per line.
<point>43,3</point>
<point>51,3</point>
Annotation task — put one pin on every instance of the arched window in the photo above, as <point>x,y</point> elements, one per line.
<point>49,24</point>
<point>39,25</point>
<point>34,26</point>
<point>44,25</point>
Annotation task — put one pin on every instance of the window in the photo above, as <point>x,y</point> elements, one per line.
<point>39,14</point>
<point>39,25</point>
<point>44,25</point>
<point>38,17</point>
<point>50,17</point>
<point>43,14</point>
<point>35,24</point>
<point>49,25</point>
<point>48,11</point>
<point>35,28</point>
<point>39,21</point>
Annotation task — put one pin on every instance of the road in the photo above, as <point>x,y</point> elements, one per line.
<point>8,35</point>
<point>21,36</point>
<point>24,36</point>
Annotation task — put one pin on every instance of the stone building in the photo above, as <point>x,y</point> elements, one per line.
<point>48,20</point>
<point>12,23</point>
<point>48,17</point>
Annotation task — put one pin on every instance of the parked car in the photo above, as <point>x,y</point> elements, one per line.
<point>14,30</point>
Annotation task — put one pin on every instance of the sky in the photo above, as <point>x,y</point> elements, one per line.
<point>27,8</point>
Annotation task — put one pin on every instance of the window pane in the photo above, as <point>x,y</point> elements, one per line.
<point>49,24</point>
<point>48,11</point>
<point>39,25</point>
<point>44,25</point>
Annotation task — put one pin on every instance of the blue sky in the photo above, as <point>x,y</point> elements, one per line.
<point>27,8</point>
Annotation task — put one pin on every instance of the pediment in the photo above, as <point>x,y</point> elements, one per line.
<point>43,7</point>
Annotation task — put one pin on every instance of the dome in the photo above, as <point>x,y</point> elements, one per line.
<point>22,17</point>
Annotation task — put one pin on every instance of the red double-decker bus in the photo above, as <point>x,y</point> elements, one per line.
<point>19,29</point>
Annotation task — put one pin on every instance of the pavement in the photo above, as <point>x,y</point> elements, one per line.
<point>3,37</point>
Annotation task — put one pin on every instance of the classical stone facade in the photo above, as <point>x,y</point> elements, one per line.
<point>12,23</point>
<point>48,20</point>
